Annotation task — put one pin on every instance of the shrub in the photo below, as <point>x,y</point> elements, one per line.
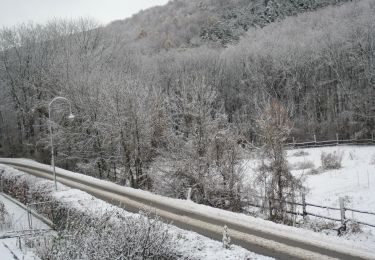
<point>300,153</point>
<point>303,165</point>
<point>372,160</point>
<point>331,160</point>
<point>313,171</point>
<point>110,237</point>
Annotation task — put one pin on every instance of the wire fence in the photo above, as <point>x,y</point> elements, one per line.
<point>303,212</point>
<point>335,142</point>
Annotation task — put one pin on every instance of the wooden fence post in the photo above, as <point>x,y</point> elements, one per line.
<point>342,210</point>
<point>343,221</point>
<point>304,212</point>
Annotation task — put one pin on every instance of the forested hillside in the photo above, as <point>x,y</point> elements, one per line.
<point>184,24</point>
<point>163,100</point>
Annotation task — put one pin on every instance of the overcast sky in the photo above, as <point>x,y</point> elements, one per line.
<point>13,12</point>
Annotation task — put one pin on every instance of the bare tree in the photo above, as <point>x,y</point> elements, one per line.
<point>274,127</point>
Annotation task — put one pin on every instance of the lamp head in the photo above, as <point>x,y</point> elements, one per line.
<point>71,116</point>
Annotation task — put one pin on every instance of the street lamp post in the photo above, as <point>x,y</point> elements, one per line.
<point>71,116</point>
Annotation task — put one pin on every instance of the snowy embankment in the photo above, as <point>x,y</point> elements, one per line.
<point>354,181</point>
<point>10,248</point>
<point>189,245</point>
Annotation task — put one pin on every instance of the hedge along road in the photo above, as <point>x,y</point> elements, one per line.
<point>258,238</point>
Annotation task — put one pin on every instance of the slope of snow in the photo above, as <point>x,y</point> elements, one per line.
<point>10,246</point>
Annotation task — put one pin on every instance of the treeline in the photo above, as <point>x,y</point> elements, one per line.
<point>179,118</point>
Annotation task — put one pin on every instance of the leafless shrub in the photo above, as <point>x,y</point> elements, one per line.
<point>300,153</point>
<point>353,227</point>
<point>303,165</point>
<point>313,171</point>
<point>137,237</point>
<point>331,160</point>
<point>319,225</point>
<point>372,160</point>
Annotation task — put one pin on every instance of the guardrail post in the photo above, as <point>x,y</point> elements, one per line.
<point>304,212</point>
<point>315,139</point>
<point>372,137</point>
<point>337,138</point>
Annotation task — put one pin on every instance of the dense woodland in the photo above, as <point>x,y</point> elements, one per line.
<point>171,98</point>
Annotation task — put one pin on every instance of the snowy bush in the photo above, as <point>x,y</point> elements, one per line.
<point>372,161</point>
<point>331,160</point>
<point>313,171</point>
<point>303,165</point>
<point>110,237</point>
<point>300,153</point>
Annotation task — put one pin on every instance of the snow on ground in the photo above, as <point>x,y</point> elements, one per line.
<point>9,247</point>
<point>299,234</point>
<point>355,182</point>
<point>189,244</point>
<point>19,217</point>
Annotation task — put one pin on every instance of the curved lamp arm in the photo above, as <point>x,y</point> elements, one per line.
<point>71,116</point>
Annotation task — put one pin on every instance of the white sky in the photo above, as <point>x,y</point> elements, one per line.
<point>14,12</point>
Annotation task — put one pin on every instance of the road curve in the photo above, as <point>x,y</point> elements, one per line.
<point>259,239</point>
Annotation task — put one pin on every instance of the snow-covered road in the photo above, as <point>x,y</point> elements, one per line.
<point>254,234</point>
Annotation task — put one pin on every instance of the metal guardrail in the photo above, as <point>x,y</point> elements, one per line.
<point>262,239</point>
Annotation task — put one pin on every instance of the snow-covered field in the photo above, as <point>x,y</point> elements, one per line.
<point>354,181</point>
